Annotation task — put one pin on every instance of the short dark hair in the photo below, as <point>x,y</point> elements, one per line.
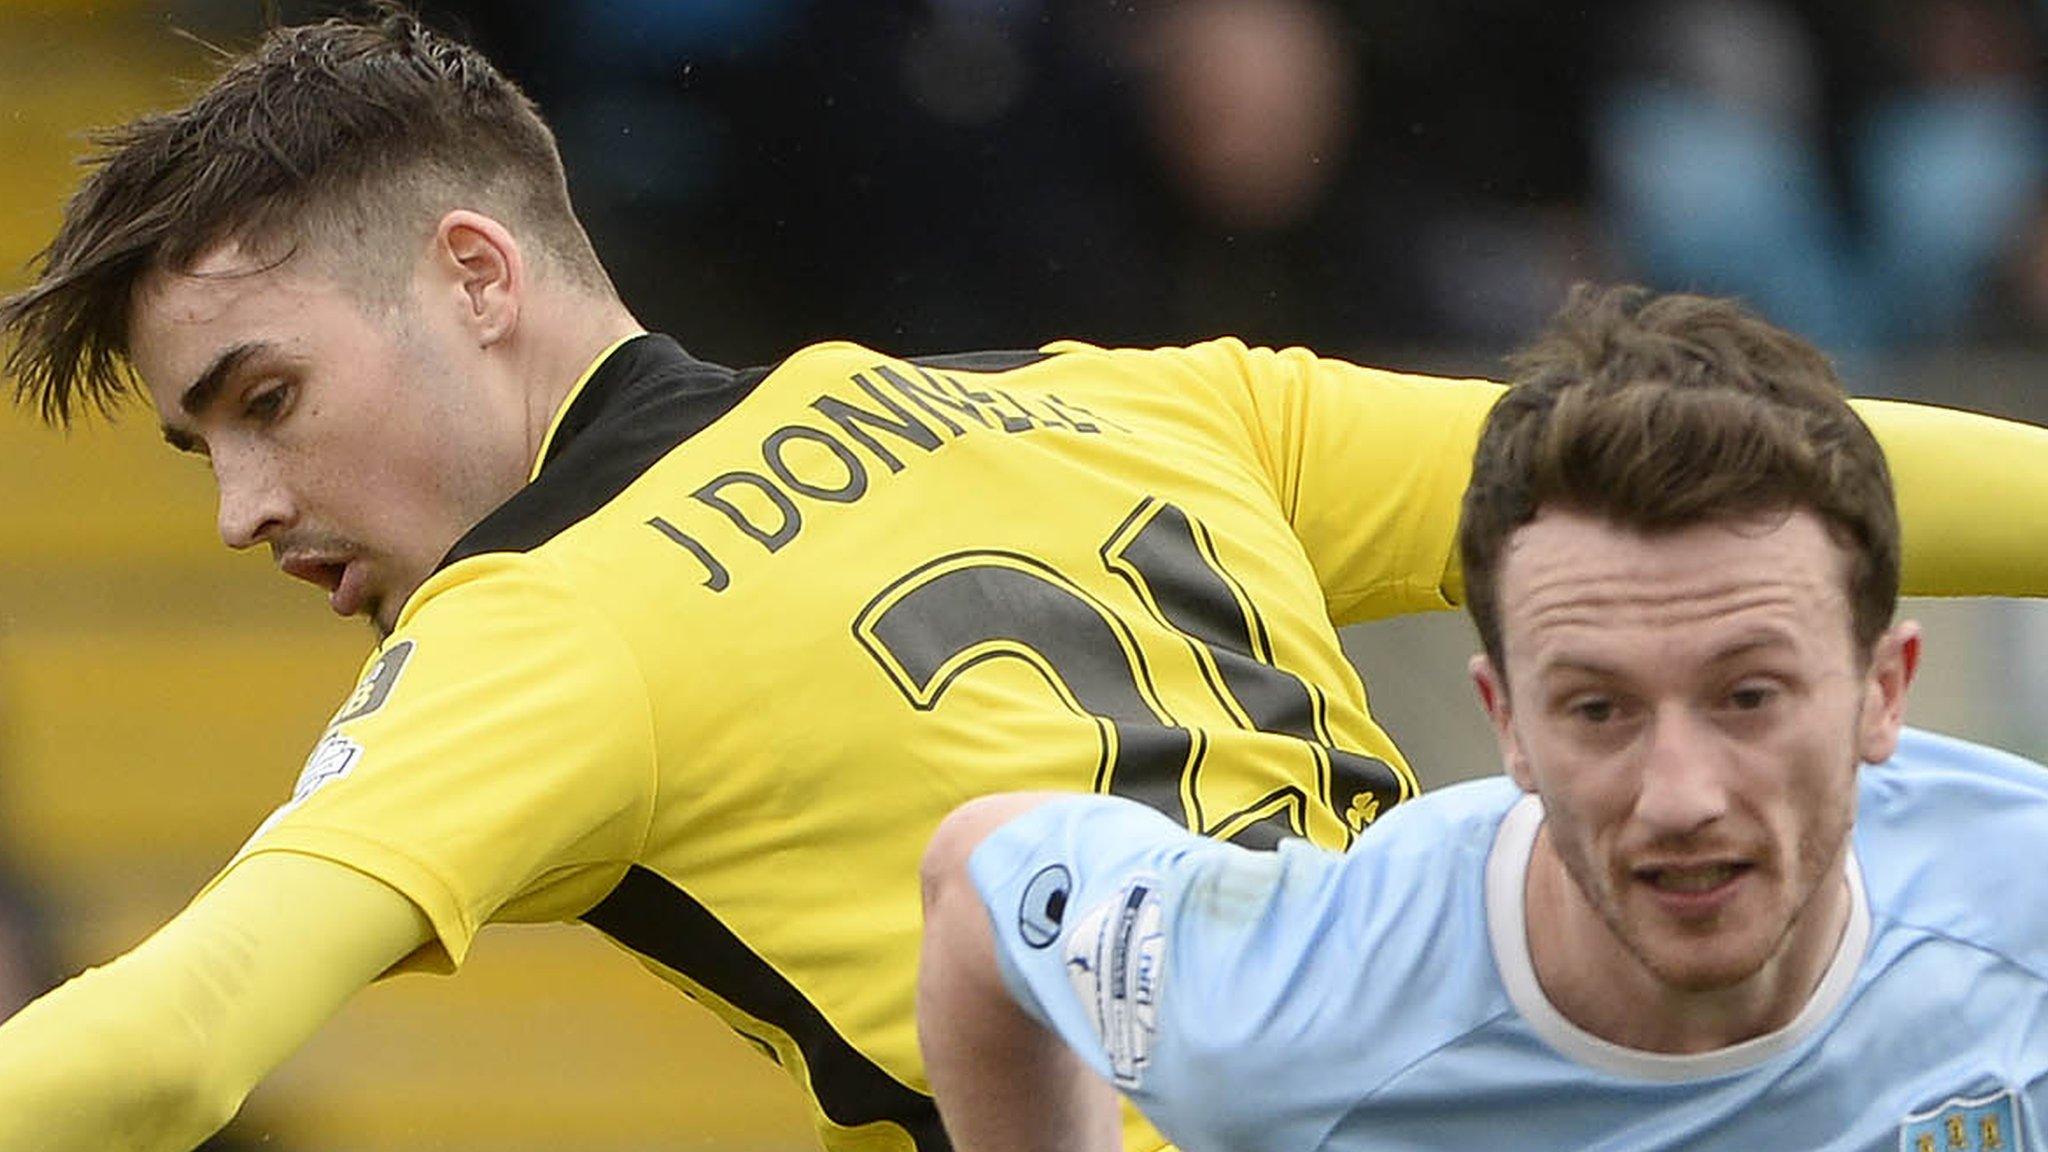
<point>332,136</point>
<point>1659,412</point>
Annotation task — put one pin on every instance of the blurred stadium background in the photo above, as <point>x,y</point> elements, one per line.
<point>1411,184</point>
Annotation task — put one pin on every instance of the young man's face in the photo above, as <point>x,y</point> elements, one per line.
<point>357,441</point>
<point>1692,710</point>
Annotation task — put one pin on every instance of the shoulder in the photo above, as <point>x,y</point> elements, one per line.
<point>1223,358</point>
<point>1453,821</point>
<point>1391,935</point>
<point>1413,887</point>
<point>481,590</point>
<point>508,625</point>
<point>1467,811</point>
<point>834,359</point>
<point>1424,848</point>
<point>1354,965</point>
<point>1948,836</point>
<point>1178,963</point>
<point>1416,872</point>
<point>1933,779</point>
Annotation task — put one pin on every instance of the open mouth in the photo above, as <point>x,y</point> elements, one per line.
<point>315,570</point>
<point>1699,878</point>
<point>330,576</point>
<point>1694,888</point>
<point>341,578</point>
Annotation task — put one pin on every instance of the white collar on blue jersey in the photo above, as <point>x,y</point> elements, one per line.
<point>1507,869</point>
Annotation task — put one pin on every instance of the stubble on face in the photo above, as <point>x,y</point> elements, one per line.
<point>389,451</point>
<point>1724,952</point>
<point>1669,630</point>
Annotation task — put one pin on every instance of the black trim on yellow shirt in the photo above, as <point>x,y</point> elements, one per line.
<point>657,919</point>
<point>1002,361</point>
<point>647,397</point>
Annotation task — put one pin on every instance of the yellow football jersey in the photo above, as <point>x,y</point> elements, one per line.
<point>712,679</point>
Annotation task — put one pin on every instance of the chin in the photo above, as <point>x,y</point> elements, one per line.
<point>1699,966</point>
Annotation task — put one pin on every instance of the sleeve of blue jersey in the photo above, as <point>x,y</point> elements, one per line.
<point>1041,873</point>
<point>1165,959</point>
<point>1949,836</point>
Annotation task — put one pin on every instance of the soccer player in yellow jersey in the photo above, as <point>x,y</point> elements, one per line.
<point>698,656</point>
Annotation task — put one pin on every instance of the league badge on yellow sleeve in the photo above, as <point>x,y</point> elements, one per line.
<point>1975,1124</point>
<point>375,687</point>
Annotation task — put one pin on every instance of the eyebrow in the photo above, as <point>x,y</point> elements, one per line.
<point>1753,643</point>
<point>1761,642</point>
<point>201,392</point>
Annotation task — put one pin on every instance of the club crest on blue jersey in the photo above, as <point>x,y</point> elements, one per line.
<point>1044,905</point>
<point>1974,1124</point>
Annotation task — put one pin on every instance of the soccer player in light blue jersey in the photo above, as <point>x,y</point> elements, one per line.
<point>1720,899</point>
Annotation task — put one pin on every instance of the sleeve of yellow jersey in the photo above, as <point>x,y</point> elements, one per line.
<point>158,1049</point>
<point>1371,467</point>
<point>496,762</point>
<point>1971,492</point>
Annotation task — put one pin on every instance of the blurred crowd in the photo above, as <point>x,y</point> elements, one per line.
<point>1361,175</point>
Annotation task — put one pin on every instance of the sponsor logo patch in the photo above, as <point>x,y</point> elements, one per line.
<point>1044,905</point>
<point>1115,957</point>
<point>1965,1124</point>
<point>333,758</point>
<point>376,685</point>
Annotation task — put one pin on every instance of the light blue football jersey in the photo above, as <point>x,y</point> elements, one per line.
<point>1385,998</point>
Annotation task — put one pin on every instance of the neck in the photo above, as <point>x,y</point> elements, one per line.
<point>567,340</point>
<point>1601,985</point>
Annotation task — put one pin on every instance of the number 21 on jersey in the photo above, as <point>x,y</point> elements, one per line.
<point>937,623</point>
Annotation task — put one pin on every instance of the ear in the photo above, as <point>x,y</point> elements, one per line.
<point>1892,664</point>
<point>1493,696</point>
<point>478,264</point>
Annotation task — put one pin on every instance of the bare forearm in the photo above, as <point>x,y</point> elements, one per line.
<point>1003,1082</point>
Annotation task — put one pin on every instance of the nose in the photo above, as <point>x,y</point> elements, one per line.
<point>254,503</point>
<point>1683,785</point>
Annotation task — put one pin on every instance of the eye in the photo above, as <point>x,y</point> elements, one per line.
<point>267,403</point>
<point>1593,709</point>
<point>1750,697</point>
